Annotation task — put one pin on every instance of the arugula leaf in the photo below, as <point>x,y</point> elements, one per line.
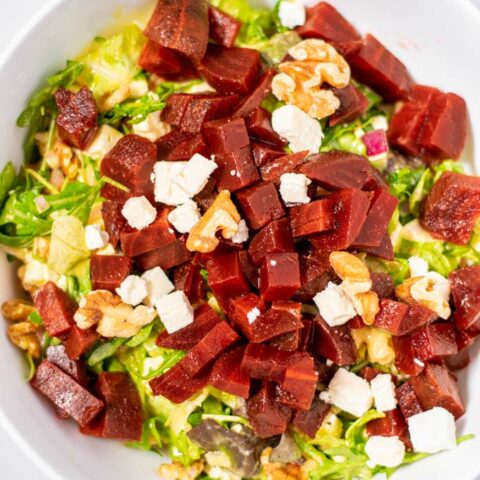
<point>104,351</point>
<point>8,180</point>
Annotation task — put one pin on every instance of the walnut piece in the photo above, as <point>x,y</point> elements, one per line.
<point>24,336</point>
<point>17,310</point>
<point>300,81</point>
<point>378,344</point>
<point>221,216</point>
<point>177,471</point>
<point>280,471</point>
<point>113,317</point>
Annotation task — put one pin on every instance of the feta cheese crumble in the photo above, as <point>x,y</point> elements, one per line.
<point>291,13</point>
<point>334,305</point>
<point>175,311</point>
<point>383,391</point>
<point>302,131</point>
<point>133,290</point>
<point>152,127</point>
<point>385,451</point>
<point>294,188</point>
<point>418,266</point>
<point>158,285</point>
<point>184,217</point>
<point>432,431</point>
<point>95,237</point>
<point>139,212</point>
<point>253,314</point>
<point>242,233</point>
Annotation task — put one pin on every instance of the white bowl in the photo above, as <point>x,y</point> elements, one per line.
<point>437,39</point>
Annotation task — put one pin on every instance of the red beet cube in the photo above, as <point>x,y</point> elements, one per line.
<point>66,393</point>
<point>56,310</point>
<point>225,276</point>
<point>434,342</point>
<point>160,60</point>
<point>273,170</point>
<point>231,70</point>
<point>353,104</point>
<point>315,273</point>
<point>227,376</point>
<point>334,343</point>
<point>273,323</point>
<point>109,271</point>
<point>314,217</point>
<point>77,116</point>
<point>264,153</point>
<point>166,257</point>
<point>262,90</point>
<point>182,26</point>
<point>223,27</point>
<point>178,145</point>
<point>405,356</point>
<point>266,414</point>
<point>131,162</point>
<point>350,212</point>
<point>245,311</point>
<point>226,135</point>
<point>259,126</point>
<point>260,204</point>
<point>307,336</point>
<point>391,315</point>
<point>378,68</point>
<point>408,400</point>
<point>114,220</point>
<point>248,268</point>
<point>236,170</point>
<point>452,207</point>
<point>382,285</point>
<point>289,342</point>
<point>392,425</point>
<point>437,387</point>
<point>57,354</point>
<point>279,276</point>
<point>311,420</point>
<point>187,278</point>
<point>458,361</point>
<point>465,283</point>
<point>276,237</point>
<point>80,341</point>
<point>384,250</point>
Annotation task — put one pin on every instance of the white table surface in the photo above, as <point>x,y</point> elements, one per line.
<point>14,464</point>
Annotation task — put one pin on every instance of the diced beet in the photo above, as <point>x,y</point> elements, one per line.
<point>227,376</point>
<point>369,373</point>
<point>225,276</point>
<point>391,316</point>
<point>160,60</point>
<point>114,221</point>
<point>187,278</point>
<point>226,135</point>
<point>169,256</point>
<point>215,342</point>
<point>289,342</point>
<point>392,425</point>
<point>356,322</point>
<point>315,273</point>
<point>353,104</point>
<point>293,308</point>
<point>326,23</point>
<point>262,90</point>
<point>259,126</point>
<point>465,338</point>
<point>66,393</point>
<point>180,146</point>
<point>131,162</point>
<point>350,212</point>
<point>309,422</point>
<point>231,70</point>
<point>416,316</point>
<point>334,343</point>
<point>248,268</point>
<point>77,116</point>
<point>80,341</point>
<point>109,271</point>
<point>236,170</point>
<point>405,359</point>
<point>207,196</point>
<point>311,218</point>
<point>452,207</point>
<point>408,400</point>
<point>307,337</point>
<point>382,207</point>
<point>434,342</point>
<point>57,354</point>
<point>385,250</point>
<point>264,153</point>
<point>279,276</point>
<point>276,237</point>
<point>382,285</point>
<point>437,387</point>
<point>177,385</point>
<point>260,204</point>
<point>458,361</point>
<point>223,27</point>
<point>465,284</point>
<point>266,414</point>
<point>272,171</point>
<point>182,26</point>
<point>241,308</point>
<point>186,338</point>
<point>273,323</point>
<point>378,68</point>
<point>175,107</point>
<point>56,310</point>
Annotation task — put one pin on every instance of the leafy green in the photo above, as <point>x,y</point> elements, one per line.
<point>342,137</point>
<point>35,318</point>
<point>276,47</point>
<point>8,180</point>
<point>78,280</point>
<point>141,336</point>
<point>104,351</point>
<point>373,98</point>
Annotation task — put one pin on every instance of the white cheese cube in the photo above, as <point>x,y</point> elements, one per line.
<point>195,175</point>
<point>334,305</point>
<point>291,13</point>
<point>302,131</point>
<point>158,285</point>
<point>432,431</point>
<point>385,451</point>
<point>152,127</point>
<point>383,391</point>
<point>139,212</point>
<point>133,290</point>
<point>184,217</point>
<point>103,141</point>
<point>294,188</point>
<point>175,311</point>
<point>242,233</point>
<point>418,266</point>
<point>166,190</point>
<point>95,237</point>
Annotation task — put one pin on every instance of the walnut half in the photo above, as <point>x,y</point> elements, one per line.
<point>24,336</point>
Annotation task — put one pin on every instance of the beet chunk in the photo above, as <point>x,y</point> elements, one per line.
<point>273,323</point>
<point>334,343</point>
<point>465,284</point>
<point>279,276</point>
<point>378,68</point>
<point>227,376</point>
<point>391,315</point>
<point>452,207</point>
<point>57,354</point>
<point>259,126</point>
<point>248,268</point>
<point>66,393</point>
<point>225,276</point>
<point>260,204</point>
<point>314,217</point>
<point>311,420</point>
<point>77,116</point>
<point>264,153</point>
<point>350,211</point>
<point>405,360</point>
<point>130,162</point>
<point>434,342</point>
<point>114,220</point>
<point>382,285</point>
<point>289,342</point>
<point>458,361</point>
<point>188,278</point>
<point>392,425</point>
<point>266,414</point>
<point>80,341</point>
<point>236,170</point>
<point>168,256</point>
<point>178,145</point>
<point>182,26</point>
<point>384,250</point>
<point>315,273</point>
<point>109,271</point>
<point>226,135</point>
<point>273,170</point>
<point>224,29</point>
<point>276,237</point>
<point>244,312</point>
<point>408,400</point>
<point>160,60</point>
<point>231,70</point>
<point>353,104</point>
<point>437,387</point>
<point>56,310</point>
<point>262,90</point>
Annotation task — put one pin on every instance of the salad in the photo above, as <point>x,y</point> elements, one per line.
<point>246,242</point>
